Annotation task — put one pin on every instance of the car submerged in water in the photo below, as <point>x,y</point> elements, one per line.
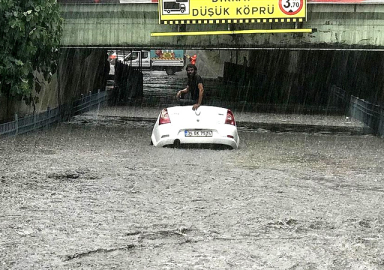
<point>207,126</point>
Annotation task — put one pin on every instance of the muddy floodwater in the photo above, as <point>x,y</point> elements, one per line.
<point>86,195</point>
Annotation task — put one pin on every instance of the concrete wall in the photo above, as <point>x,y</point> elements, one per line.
<point>80,71</point>
<point>304,77</point>
<point>48,97</point>
<point>210,63</point>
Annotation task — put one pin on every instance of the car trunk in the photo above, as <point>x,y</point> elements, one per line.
<point>185,117</point>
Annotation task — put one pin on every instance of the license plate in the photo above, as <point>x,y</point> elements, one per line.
<point>198,133</point>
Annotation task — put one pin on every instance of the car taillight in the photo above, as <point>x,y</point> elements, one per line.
<point>164,117</point>
<point>230,119</point>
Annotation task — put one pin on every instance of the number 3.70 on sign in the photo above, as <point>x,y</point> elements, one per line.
<point>291,7</point>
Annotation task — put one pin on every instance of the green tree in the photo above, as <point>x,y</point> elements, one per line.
<point>30,33</point>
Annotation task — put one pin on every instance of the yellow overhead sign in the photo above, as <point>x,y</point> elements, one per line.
<point>231,11</point>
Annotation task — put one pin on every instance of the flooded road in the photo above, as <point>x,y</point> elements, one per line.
<point>89,195</point>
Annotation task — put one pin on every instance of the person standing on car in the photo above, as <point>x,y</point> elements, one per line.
<point>194,86</point>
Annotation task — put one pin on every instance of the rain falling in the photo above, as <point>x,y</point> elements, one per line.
<point>271,160</point>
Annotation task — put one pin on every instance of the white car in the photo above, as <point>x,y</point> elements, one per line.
<point>208,125</point>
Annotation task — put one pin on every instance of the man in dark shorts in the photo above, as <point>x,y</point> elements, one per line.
<point>194,87</point>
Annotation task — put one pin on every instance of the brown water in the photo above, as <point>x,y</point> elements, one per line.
<point>96,195</point>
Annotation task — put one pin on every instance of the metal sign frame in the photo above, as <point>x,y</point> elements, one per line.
<point>240,11</point>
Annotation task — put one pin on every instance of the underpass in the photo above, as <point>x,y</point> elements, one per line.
<point>286,72</point>
<point>303,191</point>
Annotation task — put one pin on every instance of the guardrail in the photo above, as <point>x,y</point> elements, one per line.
<point>50,116</point>
<point>370,114</point>
<point>364,111</point>
<point>88,102</point>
